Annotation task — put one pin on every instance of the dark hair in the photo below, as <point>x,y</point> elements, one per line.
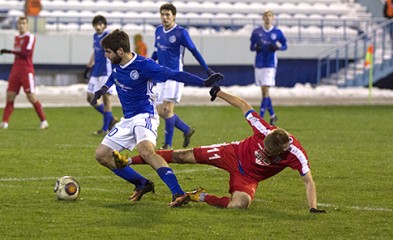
<point>23,18</point>
<point>115,40</point>
<point>99,19</point>
<point>169,7</point>
<point>276,140</point>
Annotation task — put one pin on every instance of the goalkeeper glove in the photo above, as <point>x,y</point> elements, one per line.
<point>273,47</point>
<point>314,210</point>
<point>212,79</point>
<point>213,92</point>
<point>2,51</point>
<point>98,94</point>
<point>86,73</point>
<point>210,72</point>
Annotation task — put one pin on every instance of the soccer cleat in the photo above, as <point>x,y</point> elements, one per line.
<point>166,147</point>
<point>120,160</point>
<point>179,200</point>
<point>44,125</point>
<point>139,192</point>
<point>113,122</point>
<point>273,120</point>
<point>100,132</point>
<point>3,125</point>
<point>187,137</point>
<point>196,193</point>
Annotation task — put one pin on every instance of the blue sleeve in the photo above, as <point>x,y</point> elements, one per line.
<point>154,56</point>
<point>159,73</point>
<point>187,42</point>
<point>109,83</point>
<point>283,42</point>
<point>253,42</point>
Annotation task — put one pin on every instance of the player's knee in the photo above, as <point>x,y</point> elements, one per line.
<point>103,159</point>
<point>181,156</point>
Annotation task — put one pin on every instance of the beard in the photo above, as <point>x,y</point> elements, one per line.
<point>116,59</point>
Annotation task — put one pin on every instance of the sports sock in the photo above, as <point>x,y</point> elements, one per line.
<point>270,107</point>
<point>107,120</point>
<point>264,104</point>
<point>100,108</point>
<point>166,155</point>
<point>130,175</point>
<point>179,124</point>
<point>217,201</point>
<point>40,111</point>
<point>8,110</point>
<point>169,178</point>
<point>169,129</point>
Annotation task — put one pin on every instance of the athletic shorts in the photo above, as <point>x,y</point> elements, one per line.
<point>224,156</point>
<point>96,83</point>
<point>265,76</point>
<point>170,91</point>
<point>127,133</point>
<point>19,79</point>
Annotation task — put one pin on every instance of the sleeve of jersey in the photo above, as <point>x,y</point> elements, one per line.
<point>187,42</point>
<point>160,73</point>
<point>300,161</point>
<point>154,56</point>
<point>283,42</point>
<point>28,51</point>
<point>252,44</point>
<point>258,124</point>
<point>109,83</point>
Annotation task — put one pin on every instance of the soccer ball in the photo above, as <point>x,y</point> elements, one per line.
<point>67,188</point>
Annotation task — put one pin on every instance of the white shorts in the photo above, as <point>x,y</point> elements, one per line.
<point>127,133</point>
<point>265,76</point>
<point>170,91</point>
<point>95,84</point>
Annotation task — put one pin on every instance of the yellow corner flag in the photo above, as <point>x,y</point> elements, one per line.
<point>369,63</point>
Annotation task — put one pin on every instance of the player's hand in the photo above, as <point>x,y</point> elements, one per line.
<point>258,47</point>
<point>314,210</point>
<point>86,74</point>
<point>2,51</point>
<point>210,72</point>
<point>97,95</point>
<point>273,47</point>
<point>213,92</point>
<point>212,79</point>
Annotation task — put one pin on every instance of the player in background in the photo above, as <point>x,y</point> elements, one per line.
<point>139,46</point>
<point>170,43</point>
<point>133,78</point>
<point>100,68</point>
<point>22,74</point>
<point>266,40</point>
<point>256,158</point>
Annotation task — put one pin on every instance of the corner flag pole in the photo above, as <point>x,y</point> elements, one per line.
<point>369,62</point>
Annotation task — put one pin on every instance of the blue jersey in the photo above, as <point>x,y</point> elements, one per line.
<point>134,82</point>
<point>264,38</point>
<point>170,45</point>
<point>102,65</point>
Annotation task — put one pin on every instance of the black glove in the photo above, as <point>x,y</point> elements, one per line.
<point>210,72</point>
<point>258,47</point>
<point>2,51</point>
<point>86,74</point>
<point>212,79</point>
<point>213,92</point>
<point>273,47</point>
<point>314,210</point>
<point>97,95</point>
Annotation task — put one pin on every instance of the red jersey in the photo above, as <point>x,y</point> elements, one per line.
<point>250,157</point>
<point>23,50</point>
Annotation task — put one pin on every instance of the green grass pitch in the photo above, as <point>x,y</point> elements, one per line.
<point>350,152</point>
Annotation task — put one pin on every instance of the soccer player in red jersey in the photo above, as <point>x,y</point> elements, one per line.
<point>258,157</point>
<point>22,74</point>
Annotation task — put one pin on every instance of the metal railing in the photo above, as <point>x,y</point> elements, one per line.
<point>345,65</point>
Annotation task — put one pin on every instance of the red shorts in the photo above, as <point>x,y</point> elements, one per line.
<point>19,79</point>
<point>224,156</point>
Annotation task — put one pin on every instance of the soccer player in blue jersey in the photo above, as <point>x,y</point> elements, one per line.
<point>170,43</point>
<point>266,40</point>
<point>134,78</point>
<point>100,68</point>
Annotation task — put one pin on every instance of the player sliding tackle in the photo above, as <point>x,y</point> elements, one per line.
<point>260,156</point>
<point>133,78</point>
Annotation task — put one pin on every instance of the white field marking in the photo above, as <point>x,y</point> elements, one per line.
<point>97,177</point>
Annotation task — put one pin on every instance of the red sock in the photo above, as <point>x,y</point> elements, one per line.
<point>8,110</point>
<point>217,201</point>
<point>137,160</point>
<point>166,155</point>
<point>39,110</point>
